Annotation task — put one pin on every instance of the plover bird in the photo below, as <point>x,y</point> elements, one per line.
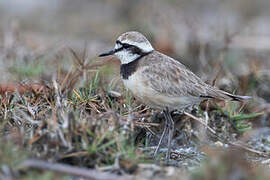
<point>160,81</point>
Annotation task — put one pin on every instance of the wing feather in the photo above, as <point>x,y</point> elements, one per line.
<point>170,78</point>
<point>173,79</point>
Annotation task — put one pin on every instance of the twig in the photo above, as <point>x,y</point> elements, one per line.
<point>199,120</point>
<point>243,146</point>
<point>71,170</point>
<point>246,148</point>
<point>143,124</point>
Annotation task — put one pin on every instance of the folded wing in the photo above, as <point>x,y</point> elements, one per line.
<point>173,79</point>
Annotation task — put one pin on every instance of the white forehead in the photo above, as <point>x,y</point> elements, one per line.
<point>145,46</point>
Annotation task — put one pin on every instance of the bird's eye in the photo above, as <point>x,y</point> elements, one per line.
<point>135,50</point>
<point>126,45</point>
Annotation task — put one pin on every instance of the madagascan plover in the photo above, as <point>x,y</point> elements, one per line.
<point>159,81</point>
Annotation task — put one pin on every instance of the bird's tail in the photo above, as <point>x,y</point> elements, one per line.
<point>236,97</point>
<point>219,94</point>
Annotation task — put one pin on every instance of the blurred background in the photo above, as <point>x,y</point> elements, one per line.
<point>193,31</point>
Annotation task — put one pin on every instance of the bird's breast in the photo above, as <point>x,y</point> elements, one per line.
<point>145,93</point>
<point>134,83</point>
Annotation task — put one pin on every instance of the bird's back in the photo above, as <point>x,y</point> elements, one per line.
<point>172,80</point>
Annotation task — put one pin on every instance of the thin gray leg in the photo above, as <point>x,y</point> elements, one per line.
<point>165,129</point>
<point>170,135</point>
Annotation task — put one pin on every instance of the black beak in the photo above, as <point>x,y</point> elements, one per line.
<point>111,52</point>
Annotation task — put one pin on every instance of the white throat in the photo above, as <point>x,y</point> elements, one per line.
<point>126,56</point>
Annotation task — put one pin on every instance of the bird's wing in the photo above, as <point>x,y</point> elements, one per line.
<point>173,79</point>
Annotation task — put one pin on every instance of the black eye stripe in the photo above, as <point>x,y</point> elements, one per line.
<point>125,45</point>
<point>132,48</point>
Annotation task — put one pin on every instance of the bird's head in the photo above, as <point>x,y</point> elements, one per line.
<point>130,46</point>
